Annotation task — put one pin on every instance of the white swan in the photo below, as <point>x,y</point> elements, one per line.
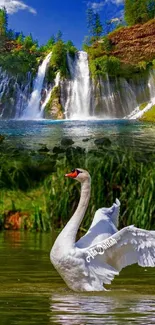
<point>103,251</point>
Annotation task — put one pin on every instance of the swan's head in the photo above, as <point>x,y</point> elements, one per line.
<point>79,174</point>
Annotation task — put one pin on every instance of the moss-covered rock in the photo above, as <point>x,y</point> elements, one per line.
<point>142,106</point>
<point>53,108</point>
<point>149,116</point>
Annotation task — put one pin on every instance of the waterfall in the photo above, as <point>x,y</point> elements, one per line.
<point>78,101</point>
<point>4,82</point>
<point>80,96</point>
<point>151,86</point>
<point>22,94</point>
<point>13,95</point>
<point>113,98</point>
<point>33,108</point>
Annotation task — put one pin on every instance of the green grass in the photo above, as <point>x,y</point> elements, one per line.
<point>52,200</point>
<point>149,116</point>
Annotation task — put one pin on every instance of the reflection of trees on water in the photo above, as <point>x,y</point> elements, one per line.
<point>87,309</point>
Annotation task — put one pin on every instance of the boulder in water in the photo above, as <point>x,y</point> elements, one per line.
<point>86,140</point>
<point>103,142</point>
<point>44,149</point>
<point>58,150</point>
<point>66,142</point>
<point>2,137</point>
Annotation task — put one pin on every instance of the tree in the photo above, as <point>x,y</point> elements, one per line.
<point>138,11</point>
<point>58,36</point>
<point>151,8</point>
<point>30,43</point>
<point>3,22</point>
<point>94,25</point>
<point>51,42</point>
<point>20,39</point>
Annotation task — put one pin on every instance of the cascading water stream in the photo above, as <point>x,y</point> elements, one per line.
<point>151,86</point>
<point>80,96</point>
<point>33,109</point>
<point>78,91</point>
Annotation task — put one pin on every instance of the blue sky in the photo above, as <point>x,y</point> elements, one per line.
<point>43,18</point>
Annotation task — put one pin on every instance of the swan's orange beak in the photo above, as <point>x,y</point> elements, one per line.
<point>72,174</point>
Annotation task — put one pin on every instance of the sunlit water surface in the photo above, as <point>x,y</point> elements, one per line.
<point>31,134</point>
<point>32,292</point>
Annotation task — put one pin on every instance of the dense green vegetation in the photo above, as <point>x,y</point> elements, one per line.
<point>20,54</point>
<point>58,61</point>
<point>33,184</point>
<point>139,11</point>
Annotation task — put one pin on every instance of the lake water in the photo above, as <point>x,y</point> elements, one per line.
<point>32,292</point>
<point>30,134</point>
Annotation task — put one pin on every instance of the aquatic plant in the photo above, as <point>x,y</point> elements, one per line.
<point>40,189</point>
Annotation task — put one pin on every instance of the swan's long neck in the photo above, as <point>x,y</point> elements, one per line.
<point>68,234</point>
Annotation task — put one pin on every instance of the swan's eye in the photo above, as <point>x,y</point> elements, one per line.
<point>78,171</point>
<point>73,170</point>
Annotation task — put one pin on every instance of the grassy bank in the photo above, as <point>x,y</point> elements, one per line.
<point>48,199</point>
<point>149,116</point>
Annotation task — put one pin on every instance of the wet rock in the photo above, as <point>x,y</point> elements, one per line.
<point>103,142</point>
<point>79,150</point>
<point>86,140</point>
<point>16,220</point>
<point>58,150</point>
<point>66,142</point>
<point>44,149</point>
<point>2,137</point>
<point>74,151</point>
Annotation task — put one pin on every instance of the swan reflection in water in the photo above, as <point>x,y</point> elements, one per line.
<point>122,308</point>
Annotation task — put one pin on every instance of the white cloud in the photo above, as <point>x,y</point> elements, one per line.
<point>98,6</point>
<point>13,6</point>
<point>117,2</point>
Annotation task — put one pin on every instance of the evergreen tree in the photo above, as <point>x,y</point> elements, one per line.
<point>94,24</point>
<point>20,39</point>
<point>3,22</point>
<point>58,36</point>
<point>51,42</point>
<point>98,29</point>
<point>137,11</point>
<point>151,8</point>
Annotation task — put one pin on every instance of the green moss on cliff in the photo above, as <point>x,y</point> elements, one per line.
<point>53,108</point>
<point>142,106</point>
<point>149,116</point>
<point>104,65</point>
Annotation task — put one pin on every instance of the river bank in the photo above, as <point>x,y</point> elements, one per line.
<point>35,195</point>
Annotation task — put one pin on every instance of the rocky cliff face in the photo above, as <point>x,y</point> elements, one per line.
<point>134,44</point>
<point>112,93</point>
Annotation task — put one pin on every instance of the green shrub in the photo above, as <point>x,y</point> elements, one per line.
<point>58,61</point>
<point>107,44</point>
<point>105,65</point>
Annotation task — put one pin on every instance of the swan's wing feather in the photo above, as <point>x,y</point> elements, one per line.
<point>103,225</point>
<point>112,213</point>
<point>128,246</point>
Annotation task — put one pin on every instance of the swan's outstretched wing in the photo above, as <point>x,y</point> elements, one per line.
<point>112,213</point>
<point>103,225</point>
<point>128,246</point>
